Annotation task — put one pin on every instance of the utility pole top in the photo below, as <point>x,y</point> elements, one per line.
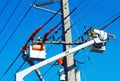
<point>69,60</point>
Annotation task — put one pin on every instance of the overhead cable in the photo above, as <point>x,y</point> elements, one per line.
<point>5,44</point>
<point>47,33</point>
<point>11,37</point>
<point>5,6</point>
<point>65,18</point>
<point>80,18</point>
<point>11,15</point>
<point>50,68</point>
<point>10,66</point>
<point>18,69</point>
<point>28,39</point>
<point>110,23</point>
<point>73,16</point>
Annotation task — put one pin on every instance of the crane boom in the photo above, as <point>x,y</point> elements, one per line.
<point>22,74</point>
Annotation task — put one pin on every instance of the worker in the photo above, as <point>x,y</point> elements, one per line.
<point>103,36</point>
<point>40,39</point>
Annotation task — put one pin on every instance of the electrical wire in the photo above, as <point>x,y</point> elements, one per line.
<point>11,37</point>
<point>20,66</point>
<point>11,15</point>
<point>5,6</point>
<point>16,29</point>
<point>46,34</point>
<point>79,19</point>
<point>113,10</point>
<point>10,66</point>
<point>108,19</point>
<point>13,23</point>
<point>50,68</point>
<point>53,16</point>
<point>68,15</point>
<point>45,24</point>
<point>60,22</point>
<point>110,23</point>
<point>17,70</point>
<point>95,6</point>
<point>98,3</point>
<point>79,11</point>
<point>5,44</point>
<point>52,30</point>
<point>20,52</point>
<point>106,25</point>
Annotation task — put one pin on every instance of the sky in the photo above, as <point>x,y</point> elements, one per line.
<point>18,20</point>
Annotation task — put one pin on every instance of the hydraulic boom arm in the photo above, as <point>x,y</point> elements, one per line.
<point>22,74</point>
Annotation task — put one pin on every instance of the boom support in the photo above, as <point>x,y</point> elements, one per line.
<point>22,74</point>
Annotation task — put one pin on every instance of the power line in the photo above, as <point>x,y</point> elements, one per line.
<point>11,15</point>
<point>13,23</point>
<point>20,66</point>
<point>60,21</point>
<point>97,4</point>
<point>107,19</point>
<point>5,6</point>
<point>66,17</point>
<point>50,68</point>
<point>18,69</point>
<point>11,37</point>
<point>80,18</point>
<point>113,10</point>
<point>46,34</point>
<point>10,66</point>
<point>15,29</point>
<point>110,23</point>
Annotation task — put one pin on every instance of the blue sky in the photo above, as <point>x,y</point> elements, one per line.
<point>95,13</point>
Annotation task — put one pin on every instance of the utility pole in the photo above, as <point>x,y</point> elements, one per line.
<point>67,37</point>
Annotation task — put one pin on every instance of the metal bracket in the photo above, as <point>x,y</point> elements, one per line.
<point>47,10</point>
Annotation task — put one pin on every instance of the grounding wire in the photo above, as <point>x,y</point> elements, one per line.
<point>5,6</point>
<point>11,37</point>
<point>11,15</point>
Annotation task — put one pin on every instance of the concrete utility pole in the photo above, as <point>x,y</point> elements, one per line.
<point>68,60</point>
